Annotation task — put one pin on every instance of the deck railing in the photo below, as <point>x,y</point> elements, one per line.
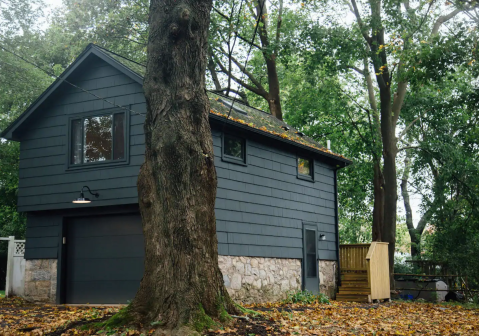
<point>371,258</point>
<point>352,257</point>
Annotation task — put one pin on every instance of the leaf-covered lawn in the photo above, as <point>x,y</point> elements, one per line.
<point>359,319</point>
<point>20,318</point>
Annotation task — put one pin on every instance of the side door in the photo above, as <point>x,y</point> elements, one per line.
<point>310,258</point>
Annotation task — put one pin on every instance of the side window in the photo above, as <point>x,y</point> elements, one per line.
<point>234,149</point>
<point>305,168</point>
<point>99,138</point>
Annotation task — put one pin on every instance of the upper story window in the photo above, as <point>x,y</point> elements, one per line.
<point>234,149</point>
<point>305,168</point>
<point>98,138</point>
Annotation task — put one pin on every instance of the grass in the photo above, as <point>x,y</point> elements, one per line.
<point>2,294</point>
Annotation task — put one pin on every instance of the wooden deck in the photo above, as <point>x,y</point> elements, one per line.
<point>364,272</point>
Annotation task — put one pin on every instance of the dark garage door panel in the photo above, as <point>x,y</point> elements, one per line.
<point>104,258</point>
<point>110,292</point>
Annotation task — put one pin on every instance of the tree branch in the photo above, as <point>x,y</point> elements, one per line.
<point>278,26</point>
<point>359,71</point>
<point>249,42</point>
<point>362,28</point>
<point>244,70</point>
<point>259,91</point>
<point>442,19</point>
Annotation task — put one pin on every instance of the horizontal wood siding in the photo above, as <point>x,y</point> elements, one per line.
<point>260,207</point>
<point>45,181</point>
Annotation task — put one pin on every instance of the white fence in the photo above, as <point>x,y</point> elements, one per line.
<point>15,267</point>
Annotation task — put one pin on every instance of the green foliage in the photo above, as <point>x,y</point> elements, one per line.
<point>306,297</point>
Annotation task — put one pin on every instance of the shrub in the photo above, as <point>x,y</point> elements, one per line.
<point>306,297</point>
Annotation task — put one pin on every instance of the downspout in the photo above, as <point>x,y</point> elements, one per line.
<point>336,220</point>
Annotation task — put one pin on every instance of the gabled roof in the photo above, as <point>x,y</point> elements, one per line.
<point>240,115</point>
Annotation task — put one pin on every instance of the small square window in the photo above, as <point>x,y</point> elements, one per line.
<point>305,168</point>
<point>234,149</point>
<point>98,138</point>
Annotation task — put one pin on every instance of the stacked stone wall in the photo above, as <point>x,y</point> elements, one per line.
<point>41,280</point>
<point>251,279</point>
<point>248,279</point>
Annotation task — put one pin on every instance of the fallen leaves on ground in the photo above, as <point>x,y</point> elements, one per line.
<point>357,319</point>
<point>18,317</point>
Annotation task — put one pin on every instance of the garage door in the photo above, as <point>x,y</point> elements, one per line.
<point>104,258</point>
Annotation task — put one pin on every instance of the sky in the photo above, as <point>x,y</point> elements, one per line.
<point>54,3</point>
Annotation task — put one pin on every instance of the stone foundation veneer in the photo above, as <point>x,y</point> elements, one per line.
<point>251,279</point>
<point>247,279</point>
<point>41,280</point>
<point>328,275</point>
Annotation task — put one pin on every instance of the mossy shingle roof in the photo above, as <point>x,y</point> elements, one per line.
<point>240,113</point>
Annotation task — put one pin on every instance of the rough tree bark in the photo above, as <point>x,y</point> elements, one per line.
<point>182,282</point>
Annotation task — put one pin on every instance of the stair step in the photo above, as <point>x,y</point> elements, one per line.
<point>352,297</point>
<point>359,289</point>
<point>355,292</point>
<point>348,281</point>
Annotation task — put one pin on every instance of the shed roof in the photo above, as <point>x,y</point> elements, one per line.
<point>240,115</point>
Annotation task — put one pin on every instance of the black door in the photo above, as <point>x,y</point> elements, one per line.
<point>310,258</point>
<point>104,258</point>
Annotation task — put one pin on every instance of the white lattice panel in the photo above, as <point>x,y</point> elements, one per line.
<point>19,249</point>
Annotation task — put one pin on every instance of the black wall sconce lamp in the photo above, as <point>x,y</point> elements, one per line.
<point>322,237</point>
<point>82,199</point>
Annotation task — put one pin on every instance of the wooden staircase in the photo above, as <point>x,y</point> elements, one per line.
<point>364,272</point>
<point>354,287</point>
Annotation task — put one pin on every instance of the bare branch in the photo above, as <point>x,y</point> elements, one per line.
<point>399,96</point>
<point>409,147</point>
<point>408,127</point>
<point>442,19</point>
<point>278,26</point>
<point>359,71</point>
<point>226,17</point>
<point>243,69</point>
<point>249,42</point>
<point>259,91</point>
<point>214,75</point>
<point>360,22</point>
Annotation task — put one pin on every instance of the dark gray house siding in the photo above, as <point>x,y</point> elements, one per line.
<point>46,182</point>
<point>260,207</point>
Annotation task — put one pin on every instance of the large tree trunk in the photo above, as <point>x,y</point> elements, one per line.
<point>270,59</point>
<point>378,210</point>
<point>414,232</point>
<point>177,183</point>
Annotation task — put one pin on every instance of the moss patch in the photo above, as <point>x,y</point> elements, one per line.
<point>202,321</point>
<point>248,312</point>
<point>121,318</point>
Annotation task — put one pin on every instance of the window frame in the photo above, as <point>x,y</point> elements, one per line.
<point>233,159</point>
<point>98,164</point>
<point>303,176</point>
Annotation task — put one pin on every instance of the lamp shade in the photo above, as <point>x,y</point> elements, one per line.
<point>81,200</point>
